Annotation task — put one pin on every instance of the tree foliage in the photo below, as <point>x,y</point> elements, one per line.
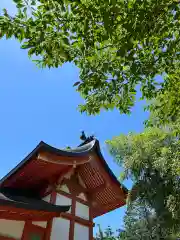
<point>108,234</point>
<point>141,223</point>
<point>165,108</point>
<point>117,44</point>
<point>151,160</point>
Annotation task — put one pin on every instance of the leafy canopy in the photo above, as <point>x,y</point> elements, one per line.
<point>142,223</point>
<point>117,44</point>
<point>108,234</point>
<point>151,160</point>
<point>165,109</point>
<point>139,224</point>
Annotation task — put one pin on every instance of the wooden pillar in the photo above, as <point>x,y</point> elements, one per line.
<point>49,223</point>
<point>91,219</point>
<point>90,199</point>
<point>72,221</point>
<point>25,230</point>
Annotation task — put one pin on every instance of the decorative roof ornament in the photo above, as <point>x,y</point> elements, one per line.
<point>83,136</point>
<point>86,139</point>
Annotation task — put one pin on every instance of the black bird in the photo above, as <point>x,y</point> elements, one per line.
<point>83,136</point>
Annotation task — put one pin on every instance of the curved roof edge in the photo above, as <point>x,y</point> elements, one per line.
<point>108,168</point>
<point>9,197</point>
<point>80,151</point>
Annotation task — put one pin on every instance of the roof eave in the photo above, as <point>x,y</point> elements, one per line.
<point>42,146</point>
<point>80,151</point>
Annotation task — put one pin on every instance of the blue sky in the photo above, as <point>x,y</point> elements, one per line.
<point>38,104</point>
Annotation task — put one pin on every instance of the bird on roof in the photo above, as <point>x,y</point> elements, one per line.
<point>83,136</point>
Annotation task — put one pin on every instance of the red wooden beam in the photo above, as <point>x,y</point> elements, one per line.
<point>91,220</point>
<point>72,220</point>
<point>17,218</point>
<point>29,228</point>
<point>77,219</point>
<point>63,160</point>
<point>13,213</point>
<point>70,196</point>
<point>49,224</point>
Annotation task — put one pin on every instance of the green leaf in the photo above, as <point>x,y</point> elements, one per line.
<point>76,84</point>
<point>33,2</point>
<point>85,25</point>
<point>115,40</point>
<point>20,5</point>
<point>17,1</point>
<point>26,46</point>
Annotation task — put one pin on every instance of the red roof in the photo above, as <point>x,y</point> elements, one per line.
<point>16,207</point>
<point>45,164</point>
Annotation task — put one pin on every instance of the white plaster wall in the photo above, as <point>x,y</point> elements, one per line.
<point>63,200</point>
<point>60,229</point>
<point>82,210</point>
<point>81,232</point>
<point>40,224</point>
<point>47,198</point>
<point>11,228</point>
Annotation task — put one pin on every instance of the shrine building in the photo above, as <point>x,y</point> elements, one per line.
<point>55,194</point>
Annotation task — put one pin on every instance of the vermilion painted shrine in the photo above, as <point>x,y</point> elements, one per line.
<point>55,194</point>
